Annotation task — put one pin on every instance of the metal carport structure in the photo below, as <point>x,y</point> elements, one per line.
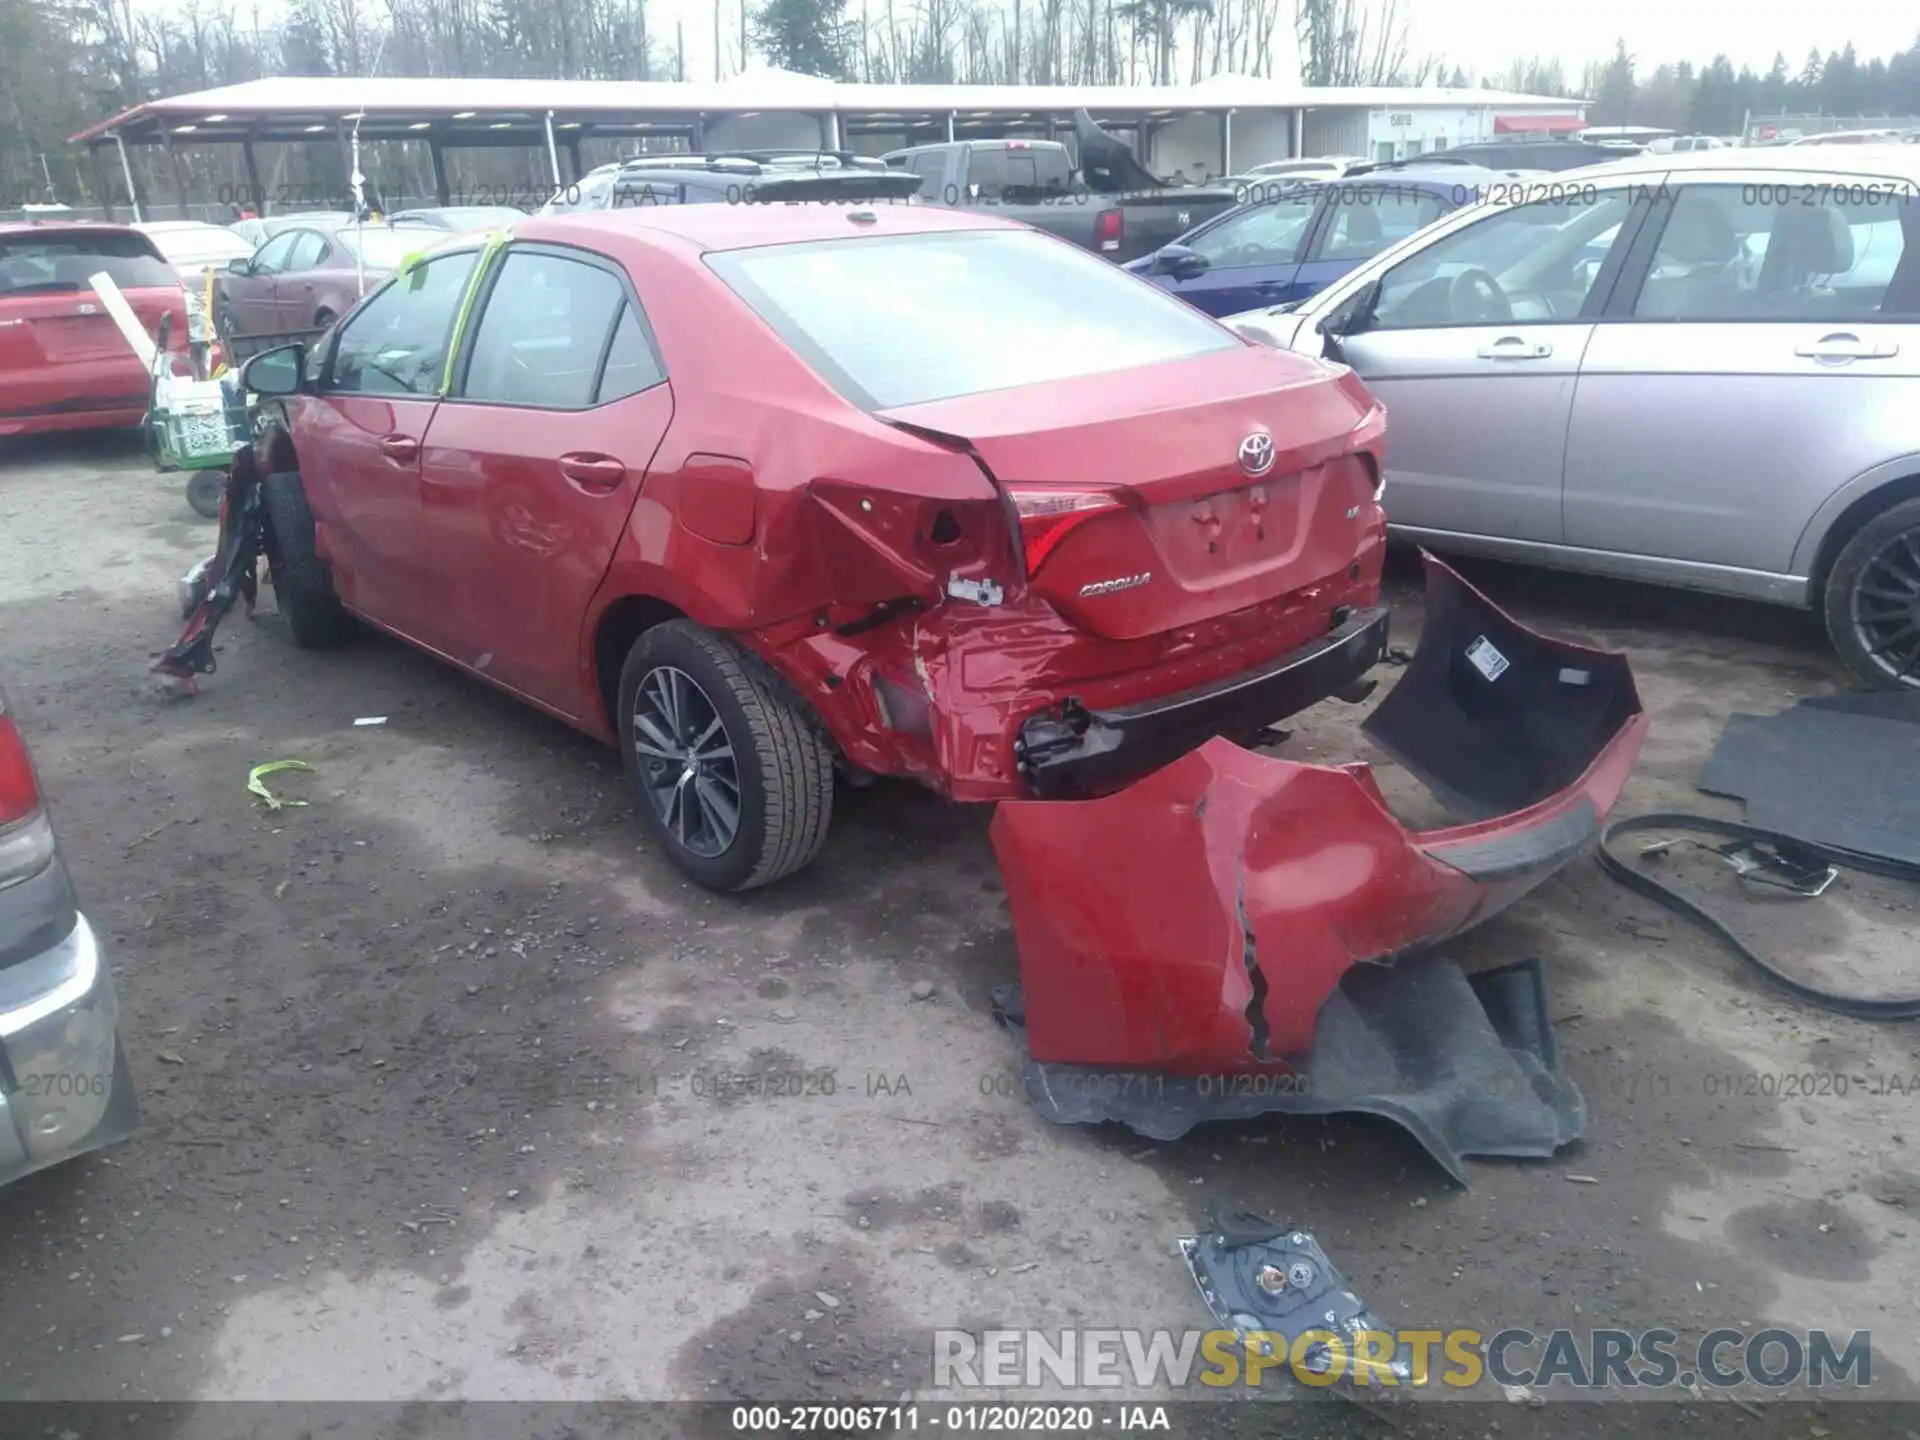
<point>558,117</point>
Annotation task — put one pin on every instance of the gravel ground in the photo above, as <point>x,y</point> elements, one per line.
<point>427,1066</point>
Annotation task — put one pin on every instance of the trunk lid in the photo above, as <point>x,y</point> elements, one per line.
<point>52,321</point>
<point>68,327</point>
<point>1195,533</point>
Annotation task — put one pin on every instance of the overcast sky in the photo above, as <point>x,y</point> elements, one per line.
<point>1486,34</point>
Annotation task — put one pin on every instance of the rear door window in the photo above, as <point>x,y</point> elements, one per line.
<point>1785,252</point>
<point>309,248</point>
<point>631,365</point>
<point>397,343</point>
<point>51,261</point>
<point>1366,219</point>
<point>540,339</point>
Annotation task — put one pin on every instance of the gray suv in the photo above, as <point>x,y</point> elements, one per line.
<point>64,1084</point>
<point>1700,370</point>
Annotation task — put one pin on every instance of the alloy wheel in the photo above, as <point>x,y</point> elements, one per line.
<point>1886,607</point>
<point>687,764</point>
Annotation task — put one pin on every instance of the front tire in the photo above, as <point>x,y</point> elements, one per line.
<point>1873,599</point>
<point>302,588</point>
<point>204,491</point>
<point>733,780</point>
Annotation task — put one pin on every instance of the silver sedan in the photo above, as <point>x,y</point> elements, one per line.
<point>1699,370</point>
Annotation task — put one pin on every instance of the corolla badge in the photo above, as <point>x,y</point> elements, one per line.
<point>1122,582</point>
<point>1256,453</point>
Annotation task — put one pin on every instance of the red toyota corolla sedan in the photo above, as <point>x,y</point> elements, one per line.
<point>758,492</point>
<point>63,362</point>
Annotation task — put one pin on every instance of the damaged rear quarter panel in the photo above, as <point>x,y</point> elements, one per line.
<point>845,509</point>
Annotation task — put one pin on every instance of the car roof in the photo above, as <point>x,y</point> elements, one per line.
<point>1893,161</point>
<point>55,225</point>
<point>732,227</point>
<point>152,225</point>
<point>1439,175</point>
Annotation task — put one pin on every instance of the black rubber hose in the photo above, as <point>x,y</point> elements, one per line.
<point>1859,1007</point>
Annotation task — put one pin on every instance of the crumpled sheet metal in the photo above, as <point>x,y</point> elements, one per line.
<point>1196,922</point>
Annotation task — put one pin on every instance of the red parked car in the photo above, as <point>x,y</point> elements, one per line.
<point>63,363</point>
<point>758,492</point>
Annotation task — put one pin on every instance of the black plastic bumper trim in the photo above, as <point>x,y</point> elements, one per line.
<point>1072,750</point>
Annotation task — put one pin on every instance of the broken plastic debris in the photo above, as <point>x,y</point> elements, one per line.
<point>1271,1285</point>
<point>371,720</point>
<point>256,781</point>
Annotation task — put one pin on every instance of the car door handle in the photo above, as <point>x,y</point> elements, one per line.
<point>1512,347</point>
<point>1846,347</point>
<point>401,449</point>
<point>591,471</point>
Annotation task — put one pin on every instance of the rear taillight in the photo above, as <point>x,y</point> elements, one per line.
<point>19,794</point>
<point>1048,516</point>
<point>26,839</point>
<point>1108,229</point>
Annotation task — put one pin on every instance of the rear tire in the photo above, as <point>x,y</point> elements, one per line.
<point>302,588</point>
<point>1872,599</point>
<point>737,806</point>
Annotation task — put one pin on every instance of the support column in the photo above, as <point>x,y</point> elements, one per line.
<point>700,133</point>
<point>1299,137</point>
<point>254,189</point>
<point>553,152</point>
<point>949,127</point>
<point>1226,142</point>
<point>173,167</point>
<point>575,166</point>
<point>101,185</point>
<point>442,194</point>
<point>126,171</point>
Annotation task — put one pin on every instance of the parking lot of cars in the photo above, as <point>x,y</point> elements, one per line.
<point>611,551</point>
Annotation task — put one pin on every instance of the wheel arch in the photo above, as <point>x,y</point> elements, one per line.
<point>276,451</point>
<point>1857,505</point>
<point>621,623</point>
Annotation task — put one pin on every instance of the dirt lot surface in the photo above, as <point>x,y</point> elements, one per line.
<point>431,1068</point>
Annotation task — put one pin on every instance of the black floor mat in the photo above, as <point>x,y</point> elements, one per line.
<point>1840,770</point>
<point>1467,1066</point>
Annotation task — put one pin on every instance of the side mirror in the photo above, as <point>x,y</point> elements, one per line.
<point>1354,315</point>
<point>241,266</point>
<point>279,371</point>
<point>1179,261</point>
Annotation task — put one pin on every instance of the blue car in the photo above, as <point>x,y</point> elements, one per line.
<point>1292,239</point>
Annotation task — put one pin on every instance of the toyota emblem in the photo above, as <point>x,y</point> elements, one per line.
<point>1256,453</point>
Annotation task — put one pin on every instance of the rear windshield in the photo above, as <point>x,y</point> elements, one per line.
<point>383,249</point>
<point>53,261</point>
<point>894,320</point>
<point>201,247</point>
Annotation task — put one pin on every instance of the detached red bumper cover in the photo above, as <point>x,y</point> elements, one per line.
<point>1197,923</point>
